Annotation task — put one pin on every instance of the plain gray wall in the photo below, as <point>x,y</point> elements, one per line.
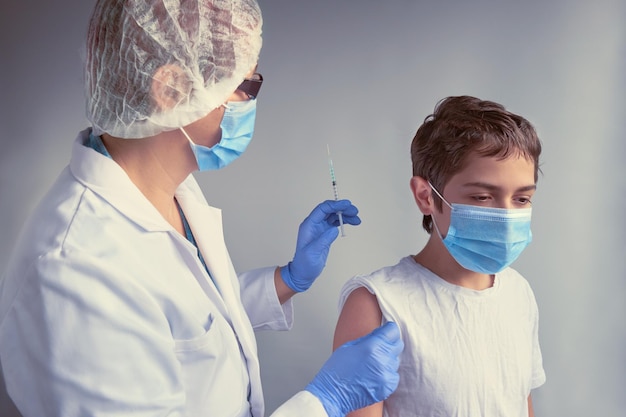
<point>361,76</point>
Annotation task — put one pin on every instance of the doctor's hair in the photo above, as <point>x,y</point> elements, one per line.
<point>465,125</point>
<point>152,65</point>
<point>119,51</point>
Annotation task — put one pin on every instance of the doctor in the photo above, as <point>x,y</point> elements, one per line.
<point>120,298</point>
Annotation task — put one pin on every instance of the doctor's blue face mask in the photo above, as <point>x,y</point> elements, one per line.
<point>237,130</point>
<point>485,239</point>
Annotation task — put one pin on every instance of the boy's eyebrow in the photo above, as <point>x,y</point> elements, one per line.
<point>492,187</point>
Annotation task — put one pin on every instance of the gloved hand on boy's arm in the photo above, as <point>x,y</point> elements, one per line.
<point>315,235</point>
<point>360,373</point>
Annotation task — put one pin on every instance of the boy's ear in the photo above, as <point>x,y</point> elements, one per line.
<point>170,85</point>
<point>422,193</point>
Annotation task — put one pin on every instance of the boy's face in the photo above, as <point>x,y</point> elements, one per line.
<point>489,182</point>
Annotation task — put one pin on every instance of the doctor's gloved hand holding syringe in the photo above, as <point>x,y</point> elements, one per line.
<point>315,236</point>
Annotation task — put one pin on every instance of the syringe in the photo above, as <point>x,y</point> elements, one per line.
<point>334,182</point>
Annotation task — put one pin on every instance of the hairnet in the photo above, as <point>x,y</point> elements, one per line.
<point>207,45</point>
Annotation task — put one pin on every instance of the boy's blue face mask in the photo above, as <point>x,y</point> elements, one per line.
<point>485,239</point>
<point>237,130</point>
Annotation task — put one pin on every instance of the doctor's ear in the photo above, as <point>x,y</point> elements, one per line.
<point>170,85</point>
<point>422,193</point>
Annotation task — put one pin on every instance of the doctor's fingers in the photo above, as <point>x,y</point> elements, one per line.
<point>329,207</point>
<point>322,243</point>
<point>333,220</point>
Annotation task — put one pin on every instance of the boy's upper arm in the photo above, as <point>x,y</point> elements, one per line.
<point>359,316</point>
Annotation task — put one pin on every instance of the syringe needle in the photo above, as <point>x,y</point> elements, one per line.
<point>334,183</point>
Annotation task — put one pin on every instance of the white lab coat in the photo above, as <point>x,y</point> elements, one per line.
<point>106,310</point>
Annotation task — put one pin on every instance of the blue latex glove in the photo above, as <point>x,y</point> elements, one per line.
<point>360,373</point>
<point>315,235</point>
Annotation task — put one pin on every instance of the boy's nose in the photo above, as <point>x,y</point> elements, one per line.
<point>506,204</point>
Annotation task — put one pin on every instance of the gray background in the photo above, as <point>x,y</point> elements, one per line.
<point>361,76</point>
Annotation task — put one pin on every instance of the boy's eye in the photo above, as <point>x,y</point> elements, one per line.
<point>481,198</point>
<point>523,200</point>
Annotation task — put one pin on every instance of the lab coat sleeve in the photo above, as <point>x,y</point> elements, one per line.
<point>258,295</point>
<point>303,404</point>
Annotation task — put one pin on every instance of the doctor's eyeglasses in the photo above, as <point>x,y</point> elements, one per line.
<point>252,85</point>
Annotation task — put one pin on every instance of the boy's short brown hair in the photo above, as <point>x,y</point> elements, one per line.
<point>460,126</point>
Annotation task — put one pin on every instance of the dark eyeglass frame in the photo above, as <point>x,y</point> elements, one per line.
<point>251,86</point>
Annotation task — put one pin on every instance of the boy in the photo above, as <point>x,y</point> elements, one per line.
<point>468,321</point>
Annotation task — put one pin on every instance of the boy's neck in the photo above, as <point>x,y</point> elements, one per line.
<point>436,258</point>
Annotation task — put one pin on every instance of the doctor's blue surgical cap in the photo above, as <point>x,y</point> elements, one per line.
<point>195,52</point>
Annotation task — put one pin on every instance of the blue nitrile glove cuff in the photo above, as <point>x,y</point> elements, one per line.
<point>327,401</point>
<point>287,277</point>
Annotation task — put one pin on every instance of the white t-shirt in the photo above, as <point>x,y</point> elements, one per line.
<point>467,352</point>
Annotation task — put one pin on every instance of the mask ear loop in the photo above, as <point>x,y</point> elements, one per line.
<point>191,142</point>
<point>438,194</point>
<point>433,217</point>
<point>192,145</point>
<point>436,227</point>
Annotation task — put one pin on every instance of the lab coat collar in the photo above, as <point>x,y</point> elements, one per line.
<point>106,178</point>
<point>206,225</point>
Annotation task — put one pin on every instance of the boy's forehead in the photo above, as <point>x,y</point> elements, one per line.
<point>513,171</point>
